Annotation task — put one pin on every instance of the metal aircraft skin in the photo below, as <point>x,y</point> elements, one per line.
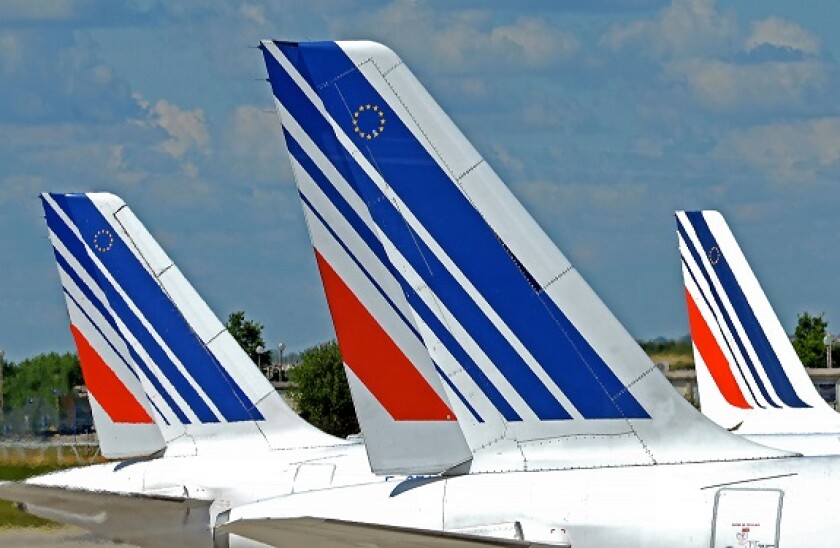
<point>576,437</point>
<point>169,386</point>
<point>749,378</point>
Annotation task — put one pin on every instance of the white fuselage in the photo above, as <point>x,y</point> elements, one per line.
<point>812,431</point>
<point>226,479</point>
<point>817,444</point>
<point>233,477</point>
<point>651,506</point>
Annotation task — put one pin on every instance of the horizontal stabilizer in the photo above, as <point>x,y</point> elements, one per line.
<point>332,533</point>
<point>137,519</point>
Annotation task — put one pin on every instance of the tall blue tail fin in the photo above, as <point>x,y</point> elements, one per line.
<point>533,363</point>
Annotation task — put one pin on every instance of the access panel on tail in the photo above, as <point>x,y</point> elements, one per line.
<point>161,369</point>
<point>440,253</point>
<point>748,374</point>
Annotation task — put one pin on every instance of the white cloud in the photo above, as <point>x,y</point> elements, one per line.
<point>39,10</point>
<point>775,31</point>
<point>476,88</point>
<point>58,75</point>
<point>725,85</point>
<point>507,160</point>
<point>190,169</point>
<point>534,39</point>
<point>187,129</point>
<point>651,147</point>
<point>10,52</point>
<point>254,145</point>
<point>705,51</point>
<point>685,28</point>
<point>466,40</point>
<point>789,152</point>
<point>65,166</point>
<point>254,14</point>
<point>119,170</point>
<point>556,111</point>
<point>68,164</point>
<point>18,188</point>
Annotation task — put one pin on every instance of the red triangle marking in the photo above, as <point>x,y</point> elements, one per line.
<point>376,359</point>
<point>120,404</point>
<point>711,353</point>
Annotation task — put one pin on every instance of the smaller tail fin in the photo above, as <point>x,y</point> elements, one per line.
<point>142,331</point>
<point>122,414</point>
<point>748,373</point>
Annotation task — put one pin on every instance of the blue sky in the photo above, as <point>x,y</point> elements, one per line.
<point>604,116</point>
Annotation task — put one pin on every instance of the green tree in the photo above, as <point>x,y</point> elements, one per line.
<point>247,333</point>
<point>42,377</point>
<point>320,391</point>
<point>808,339</point>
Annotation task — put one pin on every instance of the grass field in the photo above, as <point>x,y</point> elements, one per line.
<point>18,463</point>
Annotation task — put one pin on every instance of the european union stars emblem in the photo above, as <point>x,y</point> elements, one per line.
<point>368,121</point>
<point>103,240</point>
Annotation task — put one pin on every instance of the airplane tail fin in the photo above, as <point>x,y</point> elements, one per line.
<point>406,418</point>
<point>533,363</point>
<point>747,369</point>
<point>154,356</point>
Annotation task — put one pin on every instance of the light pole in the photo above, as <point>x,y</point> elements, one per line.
<point>260,349</point>
<point>827,342</point>
<point>282,347</point>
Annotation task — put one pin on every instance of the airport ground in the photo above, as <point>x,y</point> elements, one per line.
<point>66,537</point>
<point>22,459</point>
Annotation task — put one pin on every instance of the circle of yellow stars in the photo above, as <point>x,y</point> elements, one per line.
<point>370,134</point>
<point>102,236</point>
<point>714,255</point>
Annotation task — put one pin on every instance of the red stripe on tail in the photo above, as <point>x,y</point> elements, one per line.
<point>711,353</point>
<point>120,404</point>
<point>376,359</point>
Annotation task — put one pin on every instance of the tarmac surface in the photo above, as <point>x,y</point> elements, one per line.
<point>66,537</point>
